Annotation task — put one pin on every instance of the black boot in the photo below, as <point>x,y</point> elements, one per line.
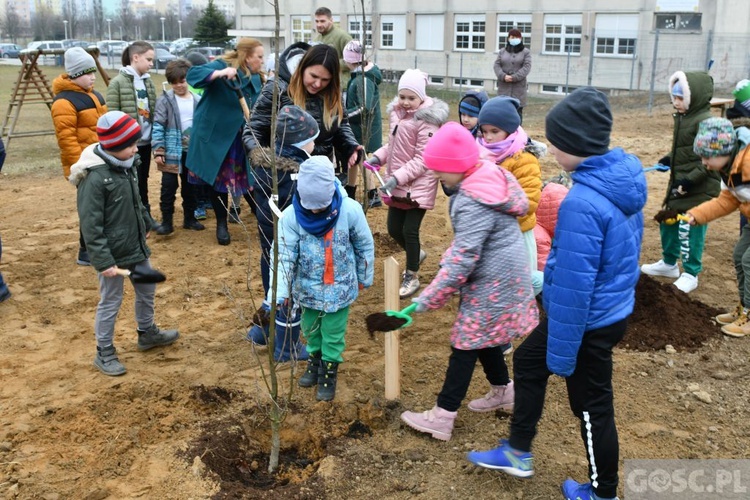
<point>190,222</point>
<point>327,372</point>
<point>166,226</point>
<point>351,191</point>
<point>222,232</point>
<point>310,377</point>
<point>374,199</point>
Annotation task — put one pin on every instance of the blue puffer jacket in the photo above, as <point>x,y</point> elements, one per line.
<point>592,270</point>
<point>302,259</point>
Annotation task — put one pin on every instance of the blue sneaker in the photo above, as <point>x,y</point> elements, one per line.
<point>200,213</point>
<point>509,460</point>
<point>573,490</point>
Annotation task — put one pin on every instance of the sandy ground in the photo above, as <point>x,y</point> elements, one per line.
<point>188,421</point>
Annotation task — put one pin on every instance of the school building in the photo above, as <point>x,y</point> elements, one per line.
<point>614,44</point>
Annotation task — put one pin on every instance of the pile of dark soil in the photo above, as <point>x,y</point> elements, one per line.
<point>665,315</point>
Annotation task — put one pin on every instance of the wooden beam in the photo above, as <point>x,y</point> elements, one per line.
<point>392,349</point>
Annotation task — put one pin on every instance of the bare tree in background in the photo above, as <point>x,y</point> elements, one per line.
<point>70,14</point>
<point>126,18</point>
<point>43,23</point>
<point>11,23</point>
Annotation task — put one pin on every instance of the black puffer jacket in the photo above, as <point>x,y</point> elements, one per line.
<point>258,132</point>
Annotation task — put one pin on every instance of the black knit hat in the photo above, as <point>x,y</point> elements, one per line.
<point>296,127</point>
<point>581,123</point>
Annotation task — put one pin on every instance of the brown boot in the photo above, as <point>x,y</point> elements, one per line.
<point>740,327</point>
<point>729,317</point>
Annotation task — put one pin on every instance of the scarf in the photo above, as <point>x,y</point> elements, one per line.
<point>321,225</point>
<point>509,146</point>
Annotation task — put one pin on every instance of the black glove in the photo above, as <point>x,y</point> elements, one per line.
<point>667,160</point>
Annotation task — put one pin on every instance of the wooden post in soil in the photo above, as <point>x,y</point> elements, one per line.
<point>392,349</point>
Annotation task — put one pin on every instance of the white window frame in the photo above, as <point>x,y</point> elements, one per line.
<point>521,22</point>
<point>476,35</point>
<point>571,27</point>
<point>435,80</point>
<point>430,29</point>
<point>476,83</point>
<point>621,29</point>
<point>397,31</point>
<point>354,30</point>
<point>679,24</point>
<point>303,32</point>
<point>547,88</point>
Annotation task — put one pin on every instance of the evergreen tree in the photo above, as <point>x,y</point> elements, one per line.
<point>212,27</point>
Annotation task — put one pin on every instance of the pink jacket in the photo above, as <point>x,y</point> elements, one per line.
<point>546,220</point>
<point>409,133</point>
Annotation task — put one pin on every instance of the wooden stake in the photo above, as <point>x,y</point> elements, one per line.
<point>392,350</point>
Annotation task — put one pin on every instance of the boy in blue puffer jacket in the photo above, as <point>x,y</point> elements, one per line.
<point>326,256</point>
<point>589,293</point>
<point>296,131</point>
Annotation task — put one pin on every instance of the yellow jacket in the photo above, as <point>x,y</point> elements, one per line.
<point>525,168</point>
<point>75,112</point>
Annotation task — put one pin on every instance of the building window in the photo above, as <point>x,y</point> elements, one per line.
<point>689,21</point>
<point>302,29</point>
<point>521,22</point>
<point>430,29</point>
<point>469,33</point>
<point>466,82</point>
<point>355,29</point>
<point>556,89</point>
<point>562,34</point>
<point>393,32</point>
<point>435,80</point>
<point>616,34</point>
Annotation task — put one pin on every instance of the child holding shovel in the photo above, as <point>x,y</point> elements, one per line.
<point>115,225</point>
<point>483,264</point>
<point>326,254</point>
<point>720,146</point>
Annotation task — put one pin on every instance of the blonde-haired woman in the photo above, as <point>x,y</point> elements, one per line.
<point>216,155</point>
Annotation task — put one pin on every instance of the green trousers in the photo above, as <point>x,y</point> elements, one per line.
<point>325,332</point>
<point>684,242</point>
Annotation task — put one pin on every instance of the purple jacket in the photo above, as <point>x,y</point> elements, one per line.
<point>409,133</point>
<point>486,262</point>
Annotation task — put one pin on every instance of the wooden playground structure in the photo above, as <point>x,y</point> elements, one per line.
<point>33,87</point>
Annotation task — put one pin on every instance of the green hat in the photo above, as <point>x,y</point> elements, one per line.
<point>742,93</point>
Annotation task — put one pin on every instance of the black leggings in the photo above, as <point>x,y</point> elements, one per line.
<point>145,153</point>
<point>403,226</point>
<point>461,368</point>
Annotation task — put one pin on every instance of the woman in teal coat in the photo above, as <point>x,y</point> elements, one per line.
<point>216,156</point>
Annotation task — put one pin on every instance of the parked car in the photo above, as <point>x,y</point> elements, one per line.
<point>8,50</point>
<point>71,42</point>
<point>211,53</point>
<point>180,45</point>
<point>46,45</point>
<point>112,47</point>
<point>162,58</point>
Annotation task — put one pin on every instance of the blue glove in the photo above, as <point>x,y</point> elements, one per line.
<point>390,185</point>
<point>420,306</point>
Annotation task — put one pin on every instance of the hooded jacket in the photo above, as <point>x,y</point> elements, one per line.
<point>112,217</point>
<point>486,263</point>
<point>121,96</point>
<point>592,270</point>
<point>167,136</point>
<point>363,106</point>
<point>409,132</point>
<point>75,112</point>
<point>735,185</point>
<point>686,168</point>
<point>218,118</point>
<point>338,138</point>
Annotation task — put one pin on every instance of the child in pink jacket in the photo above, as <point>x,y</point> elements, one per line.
<point>409,188</point>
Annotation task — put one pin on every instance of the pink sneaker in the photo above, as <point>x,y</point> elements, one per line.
<point>499,397</point>
<point>436,421</point>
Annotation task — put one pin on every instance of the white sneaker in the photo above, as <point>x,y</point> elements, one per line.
<point>409,284</point>
<point>661,269</point>
<point>686,283</point>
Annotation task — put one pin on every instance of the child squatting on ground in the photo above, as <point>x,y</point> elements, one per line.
<point>326,256</point>
<point>497,300</point>
<point>173,123</point>
<point>723,149</point>
<point>115,225</point>
<point>690,183</point>
<point>589,293</point>
<point>414,118</point>
<point>296,131</point>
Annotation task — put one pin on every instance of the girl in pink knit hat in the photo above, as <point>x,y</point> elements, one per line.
<point>497,300</point>
<point>410,190</point>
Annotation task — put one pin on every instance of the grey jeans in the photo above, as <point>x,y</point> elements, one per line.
<point>110,300</point>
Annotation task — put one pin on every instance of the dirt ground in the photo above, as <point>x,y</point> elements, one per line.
<point>188,421</point>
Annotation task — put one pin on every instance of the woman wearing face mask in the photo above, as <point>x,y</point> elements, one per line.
<point>512,66</point>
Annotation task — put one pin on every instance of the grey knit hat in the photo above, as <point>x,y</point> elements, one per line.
<point>316,182</point>
<point>295,127</point>
<point>78,62</point>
